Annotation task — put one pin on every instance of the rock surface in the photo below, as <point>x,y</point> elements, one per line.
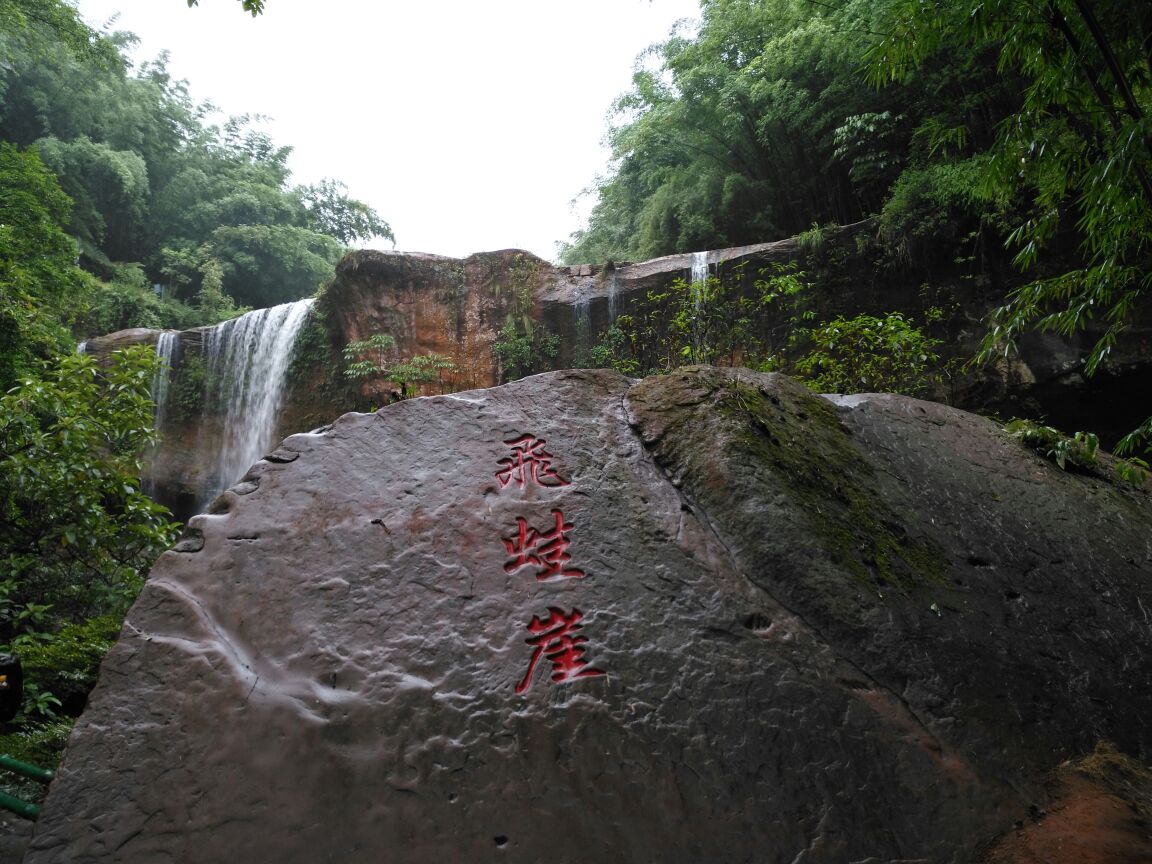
<point>854,630</point>
<point>459,309</point>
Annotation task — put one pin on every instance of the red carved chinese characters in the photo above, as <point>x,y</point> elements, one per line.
<point>555,639</point>
<point>529,463</point>
<point>547,550</point>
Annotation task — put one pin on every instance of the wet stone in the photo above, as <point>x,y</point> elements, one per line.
<point>490,627</point>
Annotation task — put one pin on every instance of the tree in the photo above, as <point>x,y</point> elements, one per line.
<point>754,127</point>
<point>1075,157</point>
<point>372,358</point>
<point>62,21</point>
<point>254,7</point>
<point>264,265</point>
<point>332,212</point>
<point>40,286</point>
<point>76,532</point>
<point>524,348</point>
<point>154,185</point>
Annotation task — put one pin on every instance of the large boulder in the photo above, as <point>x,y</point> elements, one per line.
<point>706,617</point>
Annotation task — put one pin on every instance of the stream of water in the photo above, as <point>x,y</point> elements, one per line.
<point>247,359</point>
<point>167,344</point>
<point>699,278</point>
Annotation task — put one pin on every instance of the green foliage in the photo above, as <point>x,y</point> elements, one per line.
<point>611,351</point>
<point>369,357</point>
<point>1080,451</point>
<point>24,19</point>
<point>1138,440</point>
<point>870,354</point>
<point>109,190</point>
<point>63,665</point>
<point>333,213</point>
<point>524,348</point>
<point>723,322</point>
<point>129,300</point>
<point>933,201</point>
<point>812,240</point>
<point>155,185</point>
<point>372,358</point>
<point>40,286</point>
<point>212,304</point>
<point>77,533</point>
<point>1072,155</point>
<point>755,127</point>
<point>39,743</point>
<point>266,265</point>
<point>186,389</point>
<point>253,7</point>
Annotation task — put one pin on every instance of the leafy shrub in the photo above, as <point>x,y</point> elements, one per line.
<point>524,348</point>
<point>77,532</point>
<point>370,358</point>
<point>870,354</point>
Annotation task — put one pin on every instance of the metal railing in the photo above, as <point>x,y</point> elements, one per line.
<point>18,805</point>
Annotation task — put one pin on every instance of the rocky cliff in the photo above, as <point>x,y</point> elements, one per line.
<point>481,311</point>
<point>707,617</point>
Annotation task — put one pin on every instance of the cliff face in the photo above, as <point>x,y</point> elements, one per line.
<point>708,616</point>
<point>499,315</point>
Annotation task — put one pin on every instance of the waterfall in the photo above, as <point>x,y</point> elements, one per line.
<point>613,296</point>
<point>699,267</point>
<point>82,348</point>
<point>580,355</point>
<point>246,360</point>
<point>167,344</point>
<point>699,280</point>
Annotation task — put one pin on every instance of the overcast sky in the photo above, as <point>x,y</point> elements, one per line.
<point>468,126</point>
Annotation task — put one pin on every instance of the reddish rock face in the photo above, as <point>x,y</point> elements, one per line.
<point>703,617</point>
<point>458,308</point>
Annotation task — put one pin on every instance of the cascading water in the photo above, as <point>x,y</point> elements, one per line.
<point>247,358</point>
<point>167,343</point>
<point>613,295</point>
<point>699,267</point>
<point>699,283</point>
<point>583,313</point>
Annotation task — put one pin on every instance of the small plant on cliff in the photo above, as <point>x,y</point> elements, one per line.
<point>866,353</point>
<point>368,357</point>
<point>372,358</point>
<point>613,349</point>
<point>524,348</point>
<point>720,321</point>
<point>1079,451</point>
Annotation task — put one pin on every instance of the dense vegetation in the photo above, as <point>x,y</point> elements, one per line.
<point>121,204</point>
<point>174,220</point>
<point>1018,128</point>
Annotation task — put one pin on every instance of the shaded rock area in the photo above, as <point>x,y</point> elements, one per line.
<point>15,832</point>
<point>707,617</point>
<point>1099,812</point>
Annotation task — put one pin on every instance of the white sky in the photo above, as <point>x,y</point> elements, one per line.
<point>469,126</point>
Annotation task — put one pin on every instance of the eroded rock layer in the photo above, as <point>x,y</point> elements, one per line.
<point>702,617</point>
